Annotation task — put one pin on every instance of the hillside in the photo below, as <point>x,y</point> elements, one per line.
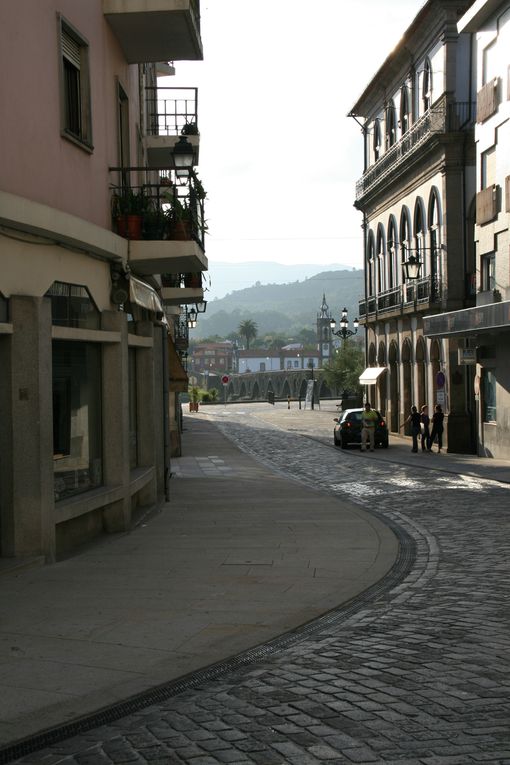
<point>225,278</point>
<point>283,308</point>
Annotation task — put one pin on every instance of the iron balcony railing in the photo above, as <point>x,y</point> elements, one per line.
<point>164,207</point>
<point>442,117</point>
<point>425,290</point>
<point>172,111</point>
<point>181,338</point>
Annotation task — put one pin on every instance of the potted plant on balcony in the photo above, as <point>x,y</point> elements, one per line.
<point>193,280</point>
<point>171,280</point>
<point>128,209</point>
<point>156,225</point>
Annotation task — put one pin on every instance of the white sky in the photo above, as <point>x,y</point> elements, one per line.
<point>279,158</point>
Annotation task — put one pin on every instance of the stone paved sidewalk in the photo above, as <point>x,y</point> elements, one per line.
<point>419,674</point>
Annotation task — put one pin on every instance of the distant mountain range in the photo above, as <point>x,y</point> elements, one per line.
<point>226,278</point>
<point>283,308</point>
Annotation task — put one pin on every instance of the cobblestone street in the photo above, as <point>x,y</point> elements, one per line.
<point>415,672</point>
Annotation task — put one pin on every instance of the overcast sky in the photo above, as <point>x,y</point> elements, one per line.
<point>279,158</point>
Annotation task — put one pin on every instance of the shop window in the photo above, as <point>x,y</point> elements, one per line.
<point>77,433</point>
<point>489,395</point>
<point>72,306</point>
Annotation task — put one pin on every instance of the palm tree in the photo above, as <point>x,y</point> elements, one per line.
<point>248,329</point>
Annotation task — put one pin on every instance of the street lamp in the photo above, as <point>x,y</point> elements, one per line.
<point>184,157</point>
<point>344,332</point>
<point>412,267</point>
<point>192,319</point>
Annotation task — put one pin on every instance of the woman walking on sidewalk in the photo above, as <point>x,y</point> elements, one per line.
<point>415,420</point>
<point>437,428</point>
<point>425,428</point>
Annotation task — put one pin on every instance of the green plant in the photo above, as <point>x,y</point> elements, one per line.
<point>213,394</point>
<point>190,128</point>
<point>194,394</point>
<point>130,202</point>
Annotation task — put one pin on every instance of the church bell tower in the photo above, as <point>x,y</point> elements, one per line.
<point>324,334</point>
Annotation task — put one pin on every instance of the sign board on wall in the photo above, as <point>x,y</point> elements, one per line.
<point>441,397</point>
<point>467,356</point>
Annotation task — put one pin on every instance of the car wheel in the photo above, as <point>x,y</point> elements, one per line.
<point>384,444</point>
<point>335,439</point>
<point>344,443</point>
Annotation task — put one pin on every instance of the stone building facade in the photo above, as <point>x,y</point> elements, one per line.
<point>417,200</point>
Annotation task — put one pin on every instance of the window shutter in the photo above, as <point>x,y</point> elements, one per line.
<point>71,49</point>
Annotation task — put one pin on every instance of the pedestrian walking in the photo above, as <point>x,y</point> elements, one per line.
<point>368,422</point>
<point>288,401</point>
<point>437,428</point>
<point>415,420</point>
<point>425,428</point>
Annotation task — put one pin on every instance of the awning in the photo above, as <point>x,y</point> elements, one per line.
<point>370,375</point>
<point>178,378</point>
<point>145,296</point>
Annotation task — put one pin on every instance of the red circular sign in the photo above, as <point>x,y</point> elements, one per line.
<point>225,379</point>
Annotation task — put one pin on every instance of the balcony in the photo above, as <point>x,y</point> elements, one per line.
<point>407,298</point>
<point>171,112</point>
<point>487,207</point>
<point>487,100</point>
<point>164,221</point>
<point>439,119</point>
<point>156,30</point>
<point>182,289</point>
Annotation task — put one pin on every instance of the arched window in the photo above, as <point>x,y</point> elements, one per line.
<point>427,85</point>
<point>404,110</point>
<point>405,235</point>
<point>419,235</point>
<point>370,270</point>
<point>377,139</point>
<point>380,272</point>
<point>392,250</point>
<point>391,125</point>
<point>435,243</point>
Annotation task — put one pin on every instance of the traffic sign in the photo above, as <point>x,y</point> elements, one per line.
<point>440,379</point>
<point>225,379</point>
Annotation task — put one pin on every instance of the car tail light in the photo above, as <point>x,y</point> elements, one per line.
<point>382,423</point>
<point>346,424</point>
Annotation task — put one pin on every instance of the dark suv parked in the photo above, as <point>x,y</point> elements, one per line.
<point>348,429</point>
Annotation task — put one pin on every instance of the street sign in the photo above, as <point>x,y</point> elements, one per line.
<point>441,397</point>
<point>225,379</point>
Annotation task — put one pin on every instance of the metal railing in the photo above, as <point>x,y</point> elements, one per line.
<point>165,206</point>
<point>425,290</point>
<point>442,117</point>
<point>181,337</point>
<point>387,300</point>
<point>172,111</point>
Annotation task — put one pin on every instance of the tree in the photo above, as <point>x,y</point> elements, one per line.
<point>343,370</point>
<point>248,329</point>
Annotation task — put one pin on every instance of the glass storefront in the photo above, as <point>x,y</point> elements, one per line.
<point>77,435</point>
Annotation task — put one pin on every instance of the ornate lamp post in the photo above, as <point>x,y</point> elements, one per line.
<point>344,332</point>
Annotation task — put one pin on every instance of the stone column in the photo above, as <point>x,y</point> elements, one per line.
<point>26,445</point>
<point>115,408</point>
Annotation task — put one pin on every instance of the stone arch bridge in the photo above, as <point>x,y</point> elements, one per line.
<point>261,386</point>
